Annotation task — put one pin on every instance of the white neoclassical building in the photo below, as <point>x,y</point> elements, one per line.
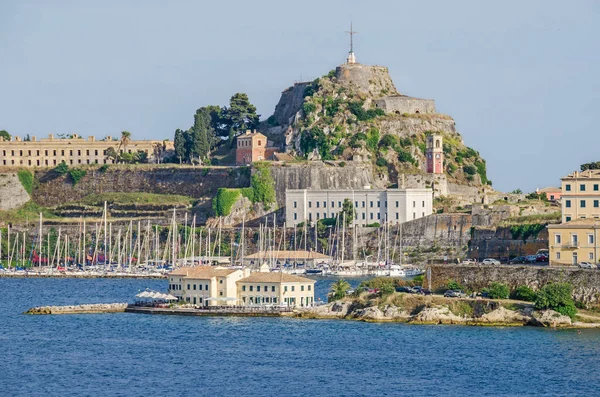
<point>371,205</point>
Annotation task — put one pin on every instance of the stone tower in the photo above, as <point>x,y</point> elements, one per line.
<point>435,154</point>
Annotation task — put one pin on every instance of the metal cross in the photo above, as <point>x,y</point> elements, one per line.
<point>351,33</point>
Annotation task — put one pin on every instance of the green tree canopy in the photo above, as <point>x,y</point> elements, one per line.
<point>347,213</point>
<point>557,297</point>
<point>241,114</point>
<point>4,134</point>
<point>181,144</point>
<point>338,290</point>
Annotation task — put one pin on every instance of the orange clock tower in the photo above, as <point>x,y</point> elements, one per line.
<point>435,154</point>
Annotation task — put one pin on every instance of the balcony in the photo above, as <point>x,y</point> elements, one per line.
<point>573,245</point>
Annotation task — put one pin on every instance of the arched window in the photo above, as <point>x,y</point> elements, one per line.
<point>437,143</point>
<point>258,142</point>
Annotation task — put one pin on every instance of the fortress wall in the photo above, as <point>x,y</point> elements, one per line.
<point>52,189</point>
<point>373,80</point>
<point>12,192</point>
<point>405,104</point>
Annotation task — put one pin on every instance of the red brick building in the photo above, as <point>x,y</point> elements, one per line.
<point>251,147</point>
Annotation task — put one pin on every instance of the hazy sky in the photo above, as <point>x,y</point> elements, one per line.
<point>521,78</point>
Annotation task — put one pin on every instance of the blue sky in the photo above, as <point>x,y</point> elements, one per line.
<point>520,78</point>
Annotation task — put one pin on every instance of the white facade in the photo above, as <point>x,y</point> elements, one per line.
<point>371,205</point>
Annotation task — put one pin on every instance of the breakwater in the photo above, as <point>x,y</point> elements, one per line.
<point>80,309</point>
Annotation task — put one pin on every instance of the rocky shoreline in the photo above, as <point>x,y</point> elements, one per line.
<point>475,312</point>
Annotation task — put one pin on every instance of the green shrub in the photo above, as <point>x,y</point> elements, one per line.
<point>454,285</point>
<point>469,170</point>
<point>263,185</point>
<point>224,201</point>
<point>103,168</point>
<point>381,162</point>
<point>355,141</point>
<point>374,224</point>
<point>524,293</point>
<point>557,297</point>
<point>342,164</point>
<point>387,289</point>
<point>26,179</point>
<point>76,174</point>
<point>372,139</point>
<point>389,141</point>
<point>62,168</point>
<point>405,157</point>
<point>497,291</point>
<point>481,170</point>
<point>526,230</point>
<point>309,108</point>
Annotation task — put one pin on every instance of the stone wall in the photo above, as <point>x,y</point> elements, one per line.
<point>319,175</point>
<point>12,192</point>
<point>586,282</point>
<point>53,189</point>
<point>444,230</point>
<point>372,80</point>
<point>290,102</point>
<point>404,104</point>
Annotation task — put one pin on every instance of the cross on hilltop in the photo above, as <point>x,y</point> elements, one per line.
<point>351,57</point>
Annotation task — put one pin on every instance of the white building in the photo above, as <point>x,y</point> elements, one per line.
<point>371,205</point>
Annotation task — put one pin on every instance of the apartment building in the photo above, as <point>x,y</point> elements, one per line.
<point>580,195</point>
<point>574,242</point>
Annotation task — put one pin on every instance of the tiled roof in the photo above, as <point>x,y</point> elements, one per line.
<point>202,272</point>
<point>274,277</point>
<point>588,174</point>
<point>580,223</point>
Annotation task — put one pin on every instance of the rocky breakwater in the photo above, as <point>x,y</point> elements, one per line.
<point>80,309</point>
<point>439,310</point>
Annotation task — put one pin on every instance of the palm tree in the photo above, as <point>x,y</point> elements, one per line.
<point>338,290</point>
<point>125,139</point>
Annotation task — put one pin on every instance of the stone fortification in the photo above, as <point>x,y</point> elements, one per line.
<point>318,175</point>
<point>400,104</point>
<point>372,80</point>
<point>586,283</point>
<point>290,103</point>
<point>12,192</point>
<point>52,189</point>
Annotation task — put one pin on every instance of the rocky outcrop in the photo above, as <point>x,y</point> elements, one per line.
<point>504,316</point>
<point>80,309</point>
<point>438,315</point>
<point>290,103</point>
<point>12,192</point>
<point>550,318</point>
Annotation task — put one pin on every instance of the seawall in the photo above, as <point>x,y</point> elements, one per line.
<point>80,309</point>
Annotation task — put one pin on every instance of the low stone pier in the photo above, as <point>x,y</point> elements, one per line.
<point>80,309</point>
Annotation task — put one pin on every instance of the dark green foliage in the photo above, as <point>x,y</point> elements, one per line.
<point>103,168</point>
<point>316,138</point>
<point>468,153</point>
<point>241,114</point>
<point>405,157</point>
<point>308,108</point>
<point>201,136</point>
<point>272,121</point>
<point>387,289</point>
<point>263,185</point>
<point>26,179</point>
<point>405,142</point>
<point>356,108</point>
<point>517,191</point>
<point>418,280</point>
<point>452,168</point>
<point>497,291</point>
<point>348,212</point>
<point>62,168</point>
<point>331,74</point>
<point>469,170</point>
<point>524,293</point>
<point>338,290</point>
<point>379,283</point>
<point>309,90</point>
<point>332,106</point>
<point>76,174</point>
<point>4,134</point>
<point>381,162</point>
<point>180,143</point>
<point>587,166</point>
<point>526,230</point>
<point>557,297</point>
<point>389,141</point>
<point>374,224</point>
<point>536,196</point>
<point>355,141</point>
<point>224,201</point>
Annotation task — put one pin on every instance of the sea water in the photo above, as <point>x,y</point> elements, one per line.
<point>125,354</point>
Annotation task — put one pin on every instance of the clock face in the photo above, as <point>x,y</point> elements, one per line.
<point>437,156</point>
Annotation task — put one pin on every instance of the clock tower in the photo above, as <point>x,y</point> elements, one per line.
<point>435,154</point>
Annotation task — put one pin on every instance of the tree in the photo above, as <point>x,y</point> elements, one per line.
<point>241,114</point>
<point>590,166</point>
<point>524,293</point>
<point>112,154</point>
<point>202,134</point>
<point>180,143</point>
<point>517,191</point>
<point>347,212</point>
<point>263,185</point>
<point>125,139</point>
<point>338,290</point>
<point>4,134</point>
<point>497,291</point>
<point>557,297</point>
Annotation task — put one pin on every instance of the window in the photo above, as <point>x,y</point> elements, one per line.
<point>596,203</point>
<point>324,215</point>
<point>95,152</point>
<point>273,288</point>
<point>591,256</point>
<point>558,255</point>
<point>414,215</point>
<point>582,187</point>
<point>45,152</point>
<point>568,187</point>
<point>302,288</point>
<point>567,219</point>
<point>333,204</point>
<point>220,293</point>
<point>251,288</point>
<point>317,204</point>
<point>258,288</point>
<point>259,142</point>
<point>206,287</point>
<point>285,288</point>
<point>397,204</point>
<point>371,216</point>
<point>574,239</point>
<point>414,204</point>
<point>423,203</point>
<point>310,217</point>
<point>200,287</point>
<point>378,204</point>
<point>595,187</point>
<point>356,204</point>
<point>194,284</point>
<point>397,216</point>
<point>582,203</point>
<point>220,281</point>
<point>70,152</point>
<point>590,239</point>
<point>324,204</point>
<point>318,217</point>
<point>188,287</point>
<point>363,215</point>
<point>552,197</point>
<point>87,152</point>
<point>310,204</point>
<point>62,152</point>
<point>557,238</point>
<point>37,152</point>
<point>371,204</point>
<point>295,216</point>
<point>568,203</point>
<point>385,203</point>
<point>378,215</point>
<point>423,214</point>
<point>293,288</point>
<point>295,204</point>
<point>363,204</point>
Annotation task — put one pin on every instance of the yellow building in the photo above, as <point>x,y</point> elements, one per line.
<point>51,151</point>
<point>574,242</point>
<point>581,195</point>
<point>205,285</point>
<point>275,288</point>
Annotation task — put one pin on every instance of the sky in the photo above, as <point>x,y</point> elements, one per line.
<point>520,78</point>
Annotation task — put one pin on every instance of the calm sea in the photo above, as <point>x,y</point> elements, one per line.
<point>151,355</point>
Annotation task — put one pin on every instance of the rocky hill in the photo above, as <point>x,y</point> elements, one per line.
<point>356,113</point>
